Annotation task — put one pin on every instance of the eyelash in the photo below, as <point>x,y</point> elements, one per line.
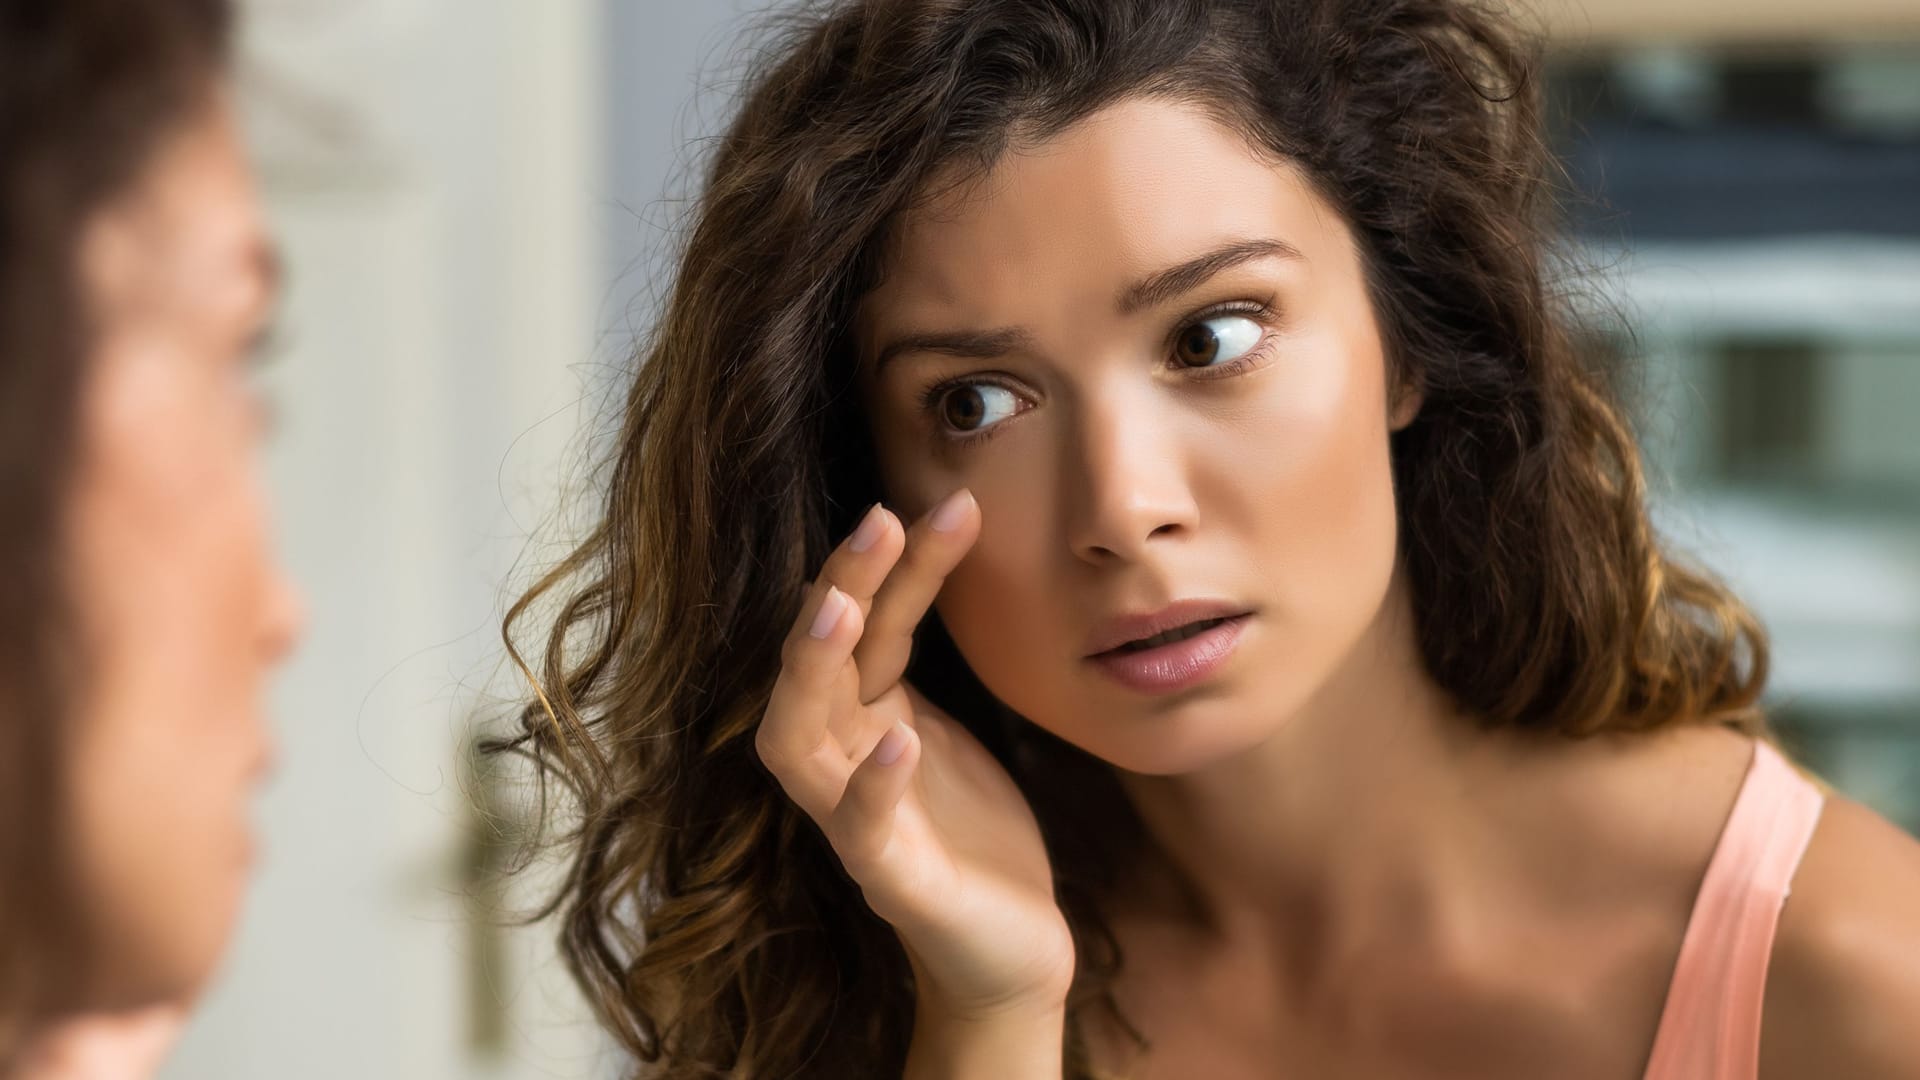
<point>930,397</point>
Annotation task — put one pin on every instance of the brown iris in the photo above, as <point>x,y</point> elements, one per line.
<point>1198,345</point>
<point>958,417</point>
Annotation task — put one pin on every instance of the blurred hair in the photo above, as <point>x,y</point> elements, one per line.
<point>87,90</point>
<point>706,917</point>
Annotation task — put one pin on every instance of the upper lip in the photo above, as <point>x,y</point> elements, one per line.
<point>1117,631</point>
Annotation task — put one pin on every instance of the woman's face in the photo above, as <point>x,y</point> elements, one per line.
<point>1138,437</point>
<point>180,606</point>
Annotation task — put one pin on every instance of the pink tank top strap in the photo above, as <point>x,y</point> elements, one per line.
<point>1710,1027</point>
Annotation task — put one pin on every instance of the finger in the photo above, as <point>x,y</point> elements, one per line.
<point>855,567</point>
<point>847,720</point>
<point>864,557</point>
<point>794,739</point>
<point>805,713</point>
<point>934,546</point>
<point>863,824</point>
<point>892,704</point>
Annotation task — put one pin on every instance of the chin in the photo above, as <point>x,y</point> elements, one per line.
<point>1164,747</point>
<point>189,957</point>
<point>1179,761</point>
<point>197,965</point>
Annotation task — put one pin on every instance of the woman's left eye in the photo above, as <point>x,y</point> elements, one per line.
<point>1217,340</point>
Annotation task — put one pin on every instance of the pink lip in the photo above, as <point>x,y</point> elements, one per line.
<point>1176,665</point>
<point>1115,632</point>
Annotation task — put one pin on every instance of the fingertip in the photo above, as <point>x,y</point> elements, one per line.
<point>892,534</point>
<point>893,745</point>
<point>833,608</point>
<point>953,510</point>
<point>872,524</point>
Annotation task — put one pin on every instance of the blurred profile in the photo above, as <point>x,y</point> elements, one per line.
<point>142,607</point>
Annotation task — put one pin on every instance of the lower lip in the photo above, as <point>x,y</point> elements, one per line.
<point>1177,665</point>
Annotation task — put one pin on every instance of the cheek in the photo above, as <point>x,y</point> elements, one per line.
<point>1006,605</point>
<point>170,569</point>
<point>1322,513</point>
<point>171,528</point>
<point>1322,531</point>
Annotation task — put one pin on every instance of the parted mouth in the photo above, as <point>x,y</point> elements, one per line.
<point>1169,637</point>
<point>1177,621</point>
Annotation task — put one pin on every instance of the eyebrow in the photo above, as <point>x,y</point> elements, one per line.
<point>1156,288</point>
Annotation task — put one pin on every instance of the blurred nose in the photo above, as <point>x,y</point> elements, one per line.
<point>1127,485</point>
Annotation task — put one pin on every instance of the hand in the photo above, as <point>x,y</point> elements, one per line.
<point>105,1046</point>
<point>937,835</point>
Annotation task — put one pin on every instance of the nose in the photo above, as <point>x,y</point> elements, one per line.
<point>1129,484</point>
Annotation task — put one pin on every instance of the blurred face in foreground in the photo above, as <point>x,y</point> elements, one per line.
<point>180,606</point>
<point>1150,354</point>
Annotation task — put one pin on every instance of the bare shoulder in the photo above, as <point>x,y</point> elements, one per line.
<point>1843,985</point>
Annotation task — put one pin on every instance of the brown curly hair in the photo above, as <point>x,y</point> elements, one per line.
<point>706,918</point>
<point>88,89</point>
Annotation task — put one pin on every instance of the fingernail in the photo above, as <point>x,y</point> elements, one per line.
<point>951,512</point>
<point>869,530</point>
<point>891,745</point>
<point>829,614</point>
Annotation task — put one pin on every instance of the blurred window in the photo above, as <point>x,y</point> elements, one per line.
<point>1754,220</point>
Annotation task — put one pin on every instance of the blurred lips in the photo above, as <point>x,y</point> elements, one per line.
<point>265,764</point>
<point>259,771</point>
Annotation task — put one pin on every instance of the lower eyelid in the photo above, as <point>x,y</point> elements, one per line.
<point>1239,363</point>
<point>1232,367</point>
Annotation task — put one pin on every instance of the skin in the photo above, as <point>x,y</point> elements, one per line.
<point>1355,882</point>
<point>181,607</point>
<point>106,1045</point>
<point>923,818</point>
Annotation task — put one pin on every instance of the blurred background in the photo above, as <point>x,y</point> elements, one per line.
<point>477,201</point>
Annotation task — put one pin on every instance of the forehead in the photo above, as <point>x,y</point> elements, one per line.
<point>1130,189</point>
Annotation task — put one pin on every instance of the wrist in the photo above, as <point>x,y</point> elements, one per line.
<point>1020,1041</point>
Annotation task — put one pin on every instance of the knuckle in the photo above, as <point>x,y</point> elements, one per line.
<point>767,748</point>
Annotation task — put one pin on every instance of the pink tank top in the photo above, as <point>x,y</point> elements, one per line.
<point>1710,1028</point>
